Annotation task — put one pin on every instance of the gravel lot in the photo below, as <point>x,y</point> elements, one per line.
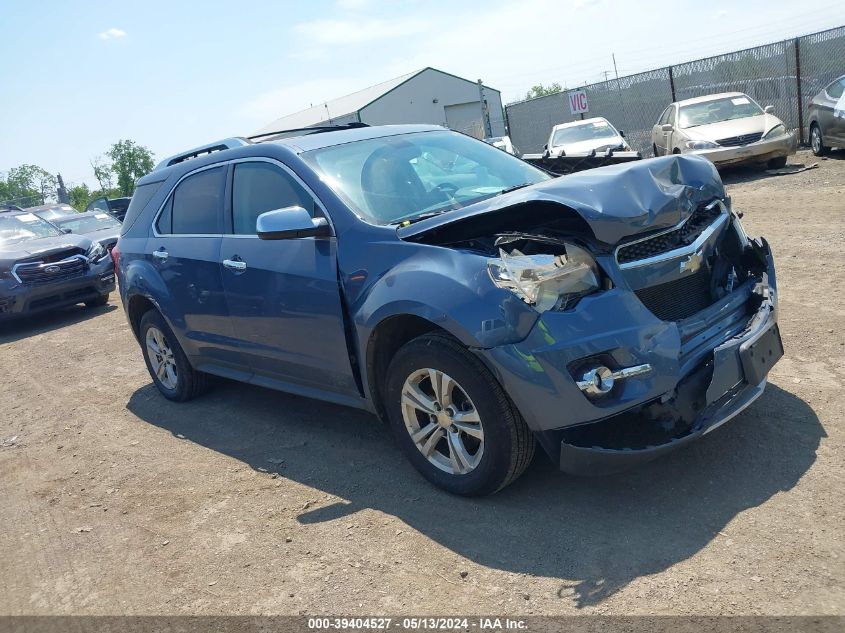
<point>116,501</point>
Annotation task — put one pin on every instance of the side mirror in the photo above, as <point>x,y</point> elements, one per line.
<point>667,127</point>
<point>621,133</point>
<point>769,109</point>
<point>290,223</point>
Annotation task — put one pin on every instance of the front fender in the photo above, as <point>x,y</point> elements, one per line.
<point>453,290</point>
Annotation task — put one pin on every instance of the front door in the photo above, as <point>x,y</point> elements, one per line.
<point>283,295</point>
<point>185,251</point>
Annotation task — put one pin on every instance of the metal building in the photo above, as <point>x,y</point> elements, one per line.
<point>424,96</point>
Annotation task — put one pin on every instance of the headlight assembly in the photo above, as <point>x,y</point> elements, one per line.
<point>548,282</point>
<point>776,131</point>
<point>96,252</point>
<point>690,145</point>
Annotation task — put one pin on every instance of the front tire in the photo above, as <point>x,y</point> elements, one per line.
<point>99,302</point>
<point>168,366</point>
<point>817,140</point>
<point>453,420</point>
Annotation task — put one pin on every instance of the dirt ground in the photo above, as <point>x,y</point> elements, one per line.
<point>247,501</point>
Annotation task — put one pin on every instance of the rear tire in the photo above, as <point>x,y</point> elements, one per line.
<point>488,446</point>
<point>654,150</point>
<point>169,368</point>
<point>777,163</point>
<point>99,302</point>
<point>817,140</point>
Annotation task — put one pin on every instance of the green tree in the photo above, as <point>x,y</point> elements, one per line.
<point>130,162</point>
<point>542,91</point>
<point>27,185</point>
<point>79,196</point>
<point>103,173</point>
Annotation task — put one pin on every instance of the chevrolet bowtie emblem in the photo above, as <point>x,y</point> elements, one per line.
<point>692,263</point>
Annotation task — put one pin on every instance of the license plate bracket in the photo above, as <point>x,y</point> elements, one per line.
<point>760,353</point>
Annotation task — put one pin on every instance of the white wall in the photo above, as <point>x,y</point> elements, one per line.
<point>413,101</point>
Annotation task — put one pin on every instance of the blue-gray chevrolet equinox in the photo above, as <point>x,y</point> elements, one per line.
<point>473,302</point>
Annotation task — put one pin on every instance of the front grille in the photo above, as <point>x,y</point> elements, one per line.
<point>737,141</point>
<point>678,299</point>
<point>37,274</point>
<point>669,241</point>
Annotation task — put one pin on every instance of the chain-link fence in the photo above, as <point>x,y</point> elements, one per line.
<point>785,75</point>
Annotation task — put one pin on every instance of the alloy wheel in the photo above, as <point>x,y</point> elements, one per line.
<point>816,140</point>
<point>442,421</point>
<point>161,358</point>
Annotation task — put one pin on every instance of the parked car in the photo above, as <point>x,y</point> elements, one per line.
<point>503,143</point>
<point>611,315</point>
<point>827,117</point>
<point>50,212</point>
<point>116,206</point>
<point>42,268</point>
<point>727,128</point>
<point>582,137</point>
<point>100,227</point>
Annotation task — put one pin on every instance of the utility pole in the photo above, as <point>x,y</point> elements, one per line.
<point>61,191</point>
<point>619,89</point>
<point>485,111</point>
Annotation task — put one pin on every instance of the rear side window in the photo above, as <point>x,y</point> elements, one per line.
<point>196,205</point>
<point>260,187</point>
<point>836,89</point>
<point>664,118</point>
<point>140,198</point>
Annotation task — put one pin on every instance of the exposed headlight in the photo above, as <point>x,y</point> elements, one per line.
<point>548,282</point>
<point>96,252</point>
<point>700,145</point>
<point>776,131</point>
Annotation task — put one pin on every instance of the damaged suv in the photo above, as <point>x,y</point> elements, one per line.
<point>474,303</point>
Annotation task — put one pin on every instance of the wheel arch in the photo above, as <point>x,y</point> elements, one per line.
<point>386,338</point>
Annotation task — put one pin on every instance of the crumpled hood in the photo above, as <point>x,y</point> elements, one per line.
<point>616,201</point>
<point>11,253</point>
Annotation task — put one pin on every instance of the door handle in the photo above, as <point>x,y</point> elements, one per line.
<point>235,264</point>
<point>161,254</point>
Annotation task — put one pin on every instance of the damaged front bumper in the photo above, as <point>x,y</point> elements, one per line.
<point>703,371</point>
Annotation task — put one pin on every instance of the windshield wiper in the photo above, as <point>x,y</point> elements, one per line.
<point>417,218</point>
<point>514,188</point>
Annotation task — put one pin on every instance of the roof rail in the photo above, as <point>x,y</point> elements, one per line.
<point>218,146</point>
<point>313,129</point>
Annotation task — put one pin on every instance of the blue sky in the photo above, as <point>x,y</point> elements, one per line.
<point>78,76</point>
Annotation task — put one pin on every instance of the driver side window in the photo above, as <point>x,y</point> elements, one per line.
<point>259,187</point>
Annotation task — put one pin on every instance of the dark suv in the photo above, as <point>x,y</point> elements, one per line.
<point>43,268</point>
<point>473,302</point>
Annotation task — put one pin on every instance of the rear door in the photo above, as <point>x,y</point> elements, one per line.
<point>185,250</point>
<point>283,295</point>
<point>832,115</point>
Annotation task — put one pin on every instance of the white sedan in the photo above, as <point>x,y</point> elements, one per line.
<point>582,137</point>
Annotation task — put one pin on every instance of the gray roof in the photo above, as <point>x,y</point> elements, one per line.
<point>336,108</point>
<point>341,109</point>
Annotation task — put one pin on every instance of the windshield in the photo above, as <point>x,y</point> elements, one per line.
<point>586,132</point>
<point>24,226</point>
<point>395,178</point>
<point>52,213</point>
<point>88,223</point>
<point>718,110</point>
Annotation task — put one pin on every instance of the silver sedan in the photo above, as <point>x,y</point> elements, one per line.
<point>727,128</point>
<point>827,117</point>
